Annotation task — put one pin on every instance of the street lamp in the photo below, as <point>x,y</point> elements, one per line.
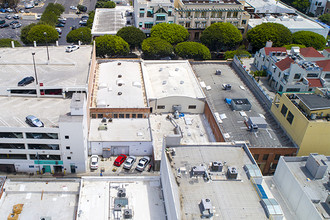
<point>45,33</point>
<point>35,70</point>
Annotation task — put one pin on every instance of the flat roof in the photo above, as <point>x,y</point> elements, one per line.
<point>124,79</point>
<point>63,70</point>
<point>122,129</point>
<point>170,78</point>
<point>97,197</point>
<point>314,102</point>
<point>269,6</point>
<point>154,2</point>
<point>55,199</point>
<point>230,199</point>
<point>110,20</point>
<point>14,110</point>
<point>233,126</point>
<point>195,129</point>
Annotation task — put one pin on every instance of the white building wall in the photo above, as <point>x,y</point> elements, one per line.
<point>294,194</point>
<point>135,148</point>
<point>185,102</point>
<point>170,190</point>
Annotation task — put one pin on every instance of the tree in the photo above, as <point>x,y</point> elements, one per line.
<point>172,33</point>
<point>25,31</point>
<point>325,18</point>
<point>309,39</point>
<point>82,34</point>
<point>301,5</point>
<point>277,33</point>
<point>82,8</point>
<point>109,45</point>
<point>239,53</point>
<point>56,8</point>
<point>6,42</point>
<point>37,34</point>
<point>49,18</point>
<point>105,4</point>
<point>156,47</point>
<point>192,50</point>
<point>90,19</point>
<point>289,46</point>
<point>221,36</point>
<point>132,35</point>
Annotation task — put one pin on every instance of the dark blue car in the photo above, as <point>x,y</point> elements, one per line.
<point>26,81</point>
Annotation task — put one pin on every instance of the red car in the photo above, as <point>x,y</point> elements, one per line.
<point>119,160</point>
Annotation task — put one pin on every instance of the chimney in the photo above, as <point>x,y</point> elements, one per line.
<point>269,43</point>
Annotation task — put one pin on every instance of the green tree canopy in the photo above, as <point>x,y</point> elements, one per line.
<point>172,33</point>
<point>6,42</point>
<point>289,46</point>
<point>301,5</point>
<point>90,19</point>
<point>56,8</point>
<point>239,53</point>
<point>37,34</point>
<point>24,33</point>
<point>82,34</point>
<point>109,45</point>
<point>221,36</point>
<point>156,47</point>
<point>277,33</point>
<point>105,4</point>
<point>49,18</point>
<point>325,18</point>
<point>192,50</point>
<point>132,35</point>
<point>309,39</point>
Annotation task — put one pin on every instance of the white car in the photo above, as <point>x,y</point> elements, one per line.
<point>129,162</point>
<point>94,162</point>
<point>73,7</point>
<point>71,48</point>
<point>38,17</point>
<point>143,162</point>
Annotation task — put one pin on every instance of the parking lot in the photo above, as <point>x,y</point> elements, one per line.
<point>110,169</point>
<point>8,32</point>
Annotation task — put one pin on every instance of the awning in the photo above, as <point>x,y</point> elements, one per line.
<point>160,15</point>
<point>148,22</point>
<point>151,11</point>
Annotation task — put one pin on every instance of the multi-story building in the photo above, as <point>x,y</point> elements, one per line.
<point>305,118</point>
<point>317,7</point>
<point>198,15</point>
<point>149,13</point>
<point>299,70</point>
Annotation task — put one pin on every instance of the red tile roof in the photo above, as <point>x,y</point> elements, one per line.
<point>324,64</point>
<point>310,52</point>
<point>285,63</point>
<point>314,83</point>
<point>328,50</point>
<point>274,49</point>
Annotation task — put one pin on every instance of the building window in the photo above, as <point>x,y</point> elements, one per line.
<point>140,116</point>
<point>327,76</point>
<point>160,106</point>
<point>188,14</point>
<point>281,88</point>
<point>196,35</point>
<point>273,167</point>
<point>115,115</point>
<point>133,115</point>
<point>290,117</point>
<point>228,14</point>
<point>169,12</point>
<point>66,136</point>
<point>140,25</point>
<point>284,110</point>
<point>192,107</point>
<point>196,24</point>
<point>121,116</point>
<point>297,76</point>
<point>181,23</point>
<point>256,156</point>
<point>312,75</point>
<point>203,14</point>
<point>188,26</point>
<point>265,157</point>
<point>150,14</point>
<point>69,158</point>
<point>235,14</point>
<point>213,13</point>
<point>99,115</point>
<point>277,156</point>
<point>243,21</point>
<point>67,147</point>
<point>141,14</point>
<point>293,90</point>
<point>148,25</point>
<point>160,17</point>
<point>197,14</point>
<point>93,115</point>
<point>127,116</point>
<point>13,156</point>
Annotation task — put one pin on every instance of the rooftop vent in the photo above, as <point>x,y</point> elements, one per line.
<point>216,166</point>
<point>120,93</point>
<point>119,63</point>
<point>181,82</point>
<point>176,69</point>
<point>206,208</point>
<point>121,192</point>
<point>119,76</point>
<point>104,120</point>
<point>198,170</point>
<point>316,165</point>
<point>232,173</point>
<point>128,214</point>
<point>102,127</point>
<point>160,69</point>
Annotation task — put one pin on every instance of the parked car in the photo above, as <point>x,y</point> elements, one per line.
<point>94,162</point>
<point>10,10</point>
<point>26,80</point>
<point>4,25</point>
<point>38,17</point>
<point>71,48</point>
<point>2,21</point>
<point>119,160</point>
<point>62,21</point>
<point>73,7</point>
<point>16,26</point>
<point>74,27</point>
<point>21,11</point>
<point>59,30</point>
<point>83,23</point>
<point>129,162</point>
<point>8,17</point>
<point>16,17</point>
<point>143,162</point>
<point>13,22</point>
<point>84,17</point>
<point>60,25</point>
<point>33,121</point>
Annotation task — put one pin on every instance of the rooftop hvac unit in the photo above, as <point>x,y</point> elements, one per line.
<point>198,170</point>
<point>104,120</point>
<point>121,192</point>
<point>218,72</point>
<point>253,128</point>
<point>102,127</point>
<point>128,214</point>
<point>232,173</point>
<point>206,208</point>
<point>226,86</point>
<point>316,165</point>
<point>176,108</point>
<point>216,166</point>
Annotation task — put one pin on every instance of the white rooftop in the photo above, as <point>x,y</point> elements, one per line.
<point>54,199</point>
<point>97,197</point>
<point>170,78</point>
<point>14,110</point>
<point>293,23</point>
<point>123,129</point>
<point>269,6</point>
<point>120,85</point>
<point>109,20</point>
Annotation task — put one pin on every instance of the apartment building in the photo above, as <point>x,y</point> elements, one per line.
<point>197,15</point>
<point>297,70</point>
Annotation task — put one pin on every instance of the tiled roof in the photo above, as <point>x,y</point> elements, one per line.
<point>324,64</point>
<point>314,83</point>
<point>284,64</point>
<point>274,49</point>
<point>328,50</point>
<point>310,52</point>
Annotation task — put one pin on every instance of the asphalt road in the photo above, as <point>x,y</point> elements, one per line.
<point>67,28</point>
<point>8,32</point>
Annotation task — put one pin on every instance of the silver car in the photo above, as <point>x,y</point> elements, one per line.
<point>129,162</point>
<point>33,121</point>
<point>143,162</point>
